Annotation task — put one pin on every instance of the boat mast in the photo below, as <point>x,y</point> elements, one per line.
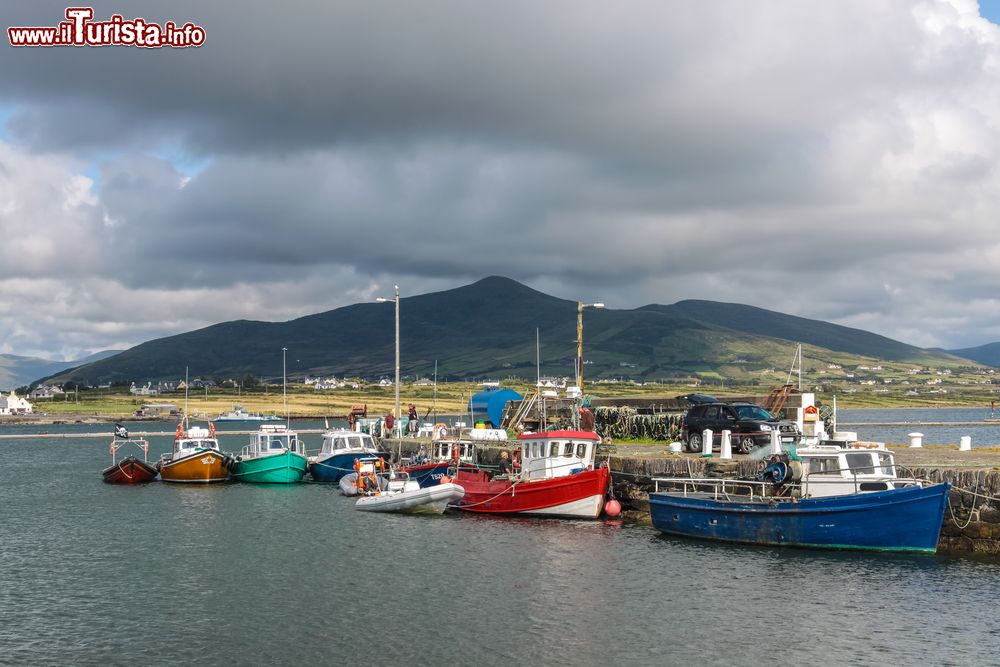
<point>284,388</point>
<point>435,404</point>
<point>185,398</point>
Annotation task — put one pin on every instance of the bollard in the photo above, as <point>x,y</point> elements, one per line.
<point>706,442</point>
<point>775,442</point>
<point>916,440</point>
<point>965,443</point>
<point>726,446</point>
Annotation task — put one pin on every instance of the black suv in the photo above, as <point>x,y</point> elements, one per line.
<point>750,425</point>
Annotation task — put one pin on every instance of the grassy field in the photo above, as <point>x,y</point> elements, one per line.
<point>452,398</point>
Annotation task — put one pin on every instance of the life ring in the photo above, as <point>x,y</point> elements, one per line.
<point>864,445</point>
<point>440,431</point>
<point>180,431</point>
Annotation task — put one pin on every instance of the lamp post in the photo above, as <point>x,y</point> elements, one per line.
<point>396,421</point>
<point>579,337</point>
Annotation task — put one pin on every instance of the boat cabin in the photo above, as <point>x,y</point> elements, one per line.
<point>557,453</point>
<point>444,450</point>
<point>337,442</point>
<point>272,439</point>
<point>829,470</point>
<point>194,439</point>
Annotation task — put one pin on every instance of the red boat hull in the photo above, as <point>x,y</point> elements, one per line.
<point>576,496</point>
<point>129,470</point>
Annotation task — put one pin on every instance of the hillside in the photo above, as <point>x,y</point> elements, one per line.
<point>988,354</point>
<point>488,329</point>
<point>18,371</point>
<point>771,324</point>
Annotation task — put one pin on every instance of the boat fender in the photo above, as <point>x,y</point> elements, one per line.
<point>454,455</point>
<point>612,508</point>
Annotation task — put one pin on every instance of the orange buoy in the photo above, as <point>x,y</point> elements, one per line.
<point>612,507</point>
<point>445,479</point>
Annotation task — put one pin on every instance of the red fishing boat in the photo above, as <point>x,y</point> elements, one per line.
<point>557,478</point>
<point>129,469</point>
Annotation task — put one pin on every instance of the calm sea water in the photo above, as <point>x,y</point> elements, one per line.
<point>92,574</point>
<point>915,420</point>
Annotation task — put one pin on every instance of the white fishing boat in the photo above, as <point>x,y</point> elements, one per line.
<point>238,414</point>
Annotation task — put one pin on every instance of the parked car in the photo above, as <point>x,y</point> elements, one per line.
<point>750,425</point>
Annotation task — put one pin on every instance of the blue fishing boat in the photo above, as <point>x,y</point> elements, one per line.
<point>826,497</point>
<point>341,448</point>
<point>428,470</point>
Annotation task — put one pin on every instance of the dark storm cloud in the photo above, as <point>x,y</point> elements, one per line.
<point>832,160</point>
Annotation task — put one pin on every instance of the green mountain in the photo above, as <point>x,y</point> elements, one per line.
<point>488,329</point>
<point>817,333</point>
<point>988,354</point>
<point>18,371</point>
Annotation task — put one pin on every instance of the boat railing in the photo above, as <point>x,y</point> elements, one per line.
<point>718,487</point>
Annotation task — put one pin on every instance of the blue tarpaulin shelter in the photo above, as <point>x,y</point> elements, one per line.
<point>489,404</point>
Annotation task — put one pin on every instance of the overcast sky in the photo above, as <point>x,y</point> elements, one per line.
<point>833,160</point>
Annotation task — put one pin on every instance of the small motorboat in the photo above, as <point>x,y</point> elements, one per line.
<point>399,493</point>
<point>196,457</point>
<point>275,455</point>
<point>339,453</point>
<point>130,469</point>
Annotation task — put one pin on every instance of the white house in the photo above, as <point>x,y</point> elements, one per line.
<point>45,391</point>
<point>12,404</point>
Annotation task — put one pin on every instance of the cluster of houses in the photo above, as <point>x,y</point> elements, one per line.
<point>12,404</point>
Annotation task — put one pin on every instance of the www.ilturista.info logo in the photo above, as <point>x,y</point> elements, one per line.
<point>79,29</point>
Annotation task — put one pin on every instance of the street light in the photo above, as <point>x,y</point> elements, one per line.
<point>579,337</point>
<point>396,422</point>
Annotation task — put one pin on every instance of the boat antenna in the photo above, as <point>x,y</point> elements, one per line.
<point>185,398</point>
<point>796,358</point>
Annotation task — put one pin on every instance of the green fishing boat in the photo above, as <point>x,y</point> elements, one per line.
<point>275,455</point>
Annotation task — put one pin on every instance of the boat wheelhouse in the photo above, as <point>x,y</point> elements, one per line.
<point>340,449</point>
<point>195,457</point>
<point>275,455</point>
<point>558,478</point>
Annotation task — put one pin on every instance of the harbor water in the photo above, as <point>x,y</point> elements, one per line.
<point>93,574</point>
<point>940,426</point>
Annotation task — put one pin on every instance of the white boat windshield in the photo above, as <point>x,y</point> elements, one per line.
<point>197,444</point>
<point>348,441</point>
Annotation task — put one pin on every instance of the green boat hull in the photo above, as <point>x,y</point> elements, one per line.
<point>284,468</point>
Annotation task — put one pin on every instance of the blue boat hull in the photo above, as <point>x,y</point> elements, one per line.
<point>332,468</point>
<point>907,519</point>
<point>428,474</point>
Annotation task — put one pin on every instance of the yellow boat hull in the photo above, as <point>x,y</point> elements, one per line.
<point>201,467</point>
